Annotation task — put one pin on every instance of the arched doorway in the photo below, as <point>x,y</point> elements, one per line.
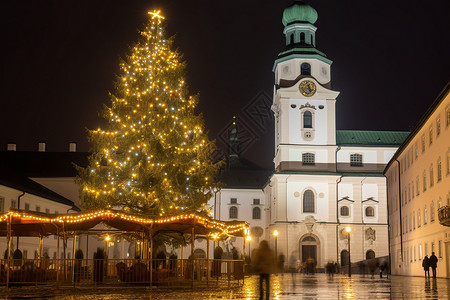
<point>308,248</point>
<point>370,254</point>
<point>344,258</point>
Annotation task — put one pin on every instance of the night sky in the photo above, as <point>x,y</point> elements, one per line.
<point>59,60</point>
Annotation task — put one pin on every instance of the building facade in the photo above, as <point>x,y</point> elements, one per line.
<point>325,179</point>
<point>418,178</point>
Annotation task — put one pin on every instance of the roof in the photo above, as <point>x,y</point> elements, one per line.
<point>445,91</point>
<point>370,138</point>
<point>44,164</point>
<point>14,180</point>
<point>325,173</point>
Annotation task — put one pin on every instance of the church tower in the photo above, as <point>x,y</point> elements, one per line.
<point>325,180</point>
<point>304,104</point>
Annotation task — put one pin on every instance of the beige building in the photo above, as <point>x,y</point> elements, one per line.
<point>418,182</point>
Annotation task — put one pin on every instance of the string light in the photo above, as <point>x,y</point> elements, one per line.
<point>217,229</point>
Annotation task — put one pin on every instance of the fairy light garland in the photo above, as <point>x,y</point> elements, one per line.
<point>219,229</point>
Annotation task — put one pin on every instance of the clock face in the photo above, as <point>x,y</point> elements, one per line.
<point>307,88</point>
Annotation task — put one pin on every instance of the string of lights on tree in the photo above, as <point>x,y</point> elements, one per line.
<point>154,156</point>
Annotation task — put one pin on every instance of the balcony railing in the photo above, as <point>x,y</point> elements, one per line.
<point>444,215</point>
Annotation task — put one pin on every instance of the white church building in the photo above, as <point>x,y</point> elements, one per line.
<point>325,179</point>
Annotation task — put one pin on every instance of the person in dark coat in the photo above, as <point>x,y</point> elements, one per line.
<point>426,266</point>
<point>264,264</point>
<point>433,264</point>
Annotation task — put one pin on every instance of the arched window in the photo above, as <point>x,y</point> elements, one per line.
<point>345,212</point>
<point>256,213</point>
<point>370,254</point>
<point>312,40</point>
<point>370,211</point>
<point>309,239</point>
<point>199,254</point>
<point>307,119</point>
<point>302,37</point>
<point>291,39</point>
<point>233,212</point>
<point>305,69</point>
<point>308,158</point>
<point>308,202</point>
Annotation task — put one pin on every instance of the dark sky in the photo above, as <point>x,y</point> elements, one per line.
<point>59,60</point>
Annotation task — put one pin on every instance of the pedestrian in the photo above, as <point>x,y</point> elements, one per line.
<point>433,264</point>
<point>426,266</point>
<point>372,266</point>
<point>264,264</point>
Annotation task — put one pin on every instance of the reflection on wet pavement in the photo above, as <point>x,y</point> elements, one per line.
<point>287,286</point>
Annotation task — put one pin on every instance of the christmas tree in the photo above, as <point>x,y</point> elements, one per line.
<point>154,156</point>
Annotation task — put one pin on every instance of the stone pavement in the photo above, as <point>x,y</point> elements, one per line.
<point>287,286</point>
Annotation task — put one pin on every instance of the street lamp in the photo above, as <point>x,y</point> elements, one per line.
<point>275,234</point>
<point>248,238</point>
<point>348,230</point>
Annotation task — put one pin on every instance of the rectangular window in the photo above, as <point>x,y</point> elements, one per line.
<point>13,203</point>
<point>38,208</point>
<point>423,143</point>
<point>47,211</point>
<point>431,135</point>
<point>448,163</point>
<point>25,254</point>
<point>412,189</point>
<point>256,201</point>
<point>410,222</point>
<point>426,249</point>
<point>417,186</point>
<point>27,206</point>
<point>432,246</point>
<point>414,220</point>
<point>416,149</point>
<point>438,127</point>
<point>233,200</point>
<point>308,158</point>
<point>432,212</point>
<point>424,180</point>
<point>431,176</point>
<point>448,116</point>
<point>415,253</point>
<point>356,160</point>
<point>409,192</point>
<point>440,249</point>
<point>419,221</point>
<point>420,252</point>
<point>425,217</point>
<point>2,204</point>
<point>439,170</point>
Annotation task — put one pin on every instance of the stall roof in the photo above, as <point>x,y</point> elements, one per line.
<point>35,224</point>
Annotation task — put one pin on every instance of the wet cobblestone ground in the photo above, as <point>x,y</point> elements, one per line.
<point>287,286</point>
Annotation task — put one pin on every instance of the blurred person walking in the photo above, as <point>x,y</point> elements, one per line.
<point>264,264</point>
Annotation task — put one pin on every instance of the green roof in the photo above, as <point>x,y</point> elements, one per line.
<point>370,138</point>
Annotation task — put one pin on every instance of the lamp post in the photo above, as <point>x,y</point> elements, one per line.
<point>275,234</point>
<point>348,230</point>
<point>108,238</point>
<point>248,238</point>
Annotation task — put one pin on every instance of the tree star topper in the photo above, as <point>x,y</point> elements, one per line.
<point>156,14</point>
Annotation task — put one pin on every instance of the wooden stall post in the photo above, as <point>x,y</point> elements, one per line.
<point>207,261</point>
<point>73,258</point>
<point>40,250</point>
<point>151,255</point>
<point>57,256</point>
<point>192,254</point>
<point>8,237</point>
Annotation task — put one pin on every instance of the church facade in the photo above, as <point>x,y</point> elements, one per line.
<point>325,180</point>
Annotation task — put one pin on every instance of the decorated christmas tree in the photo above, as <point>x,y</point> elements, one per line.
<point>154,156</point>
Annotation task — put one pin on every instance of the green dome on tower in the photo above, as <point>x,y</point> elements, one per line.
<point>299,12</point>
